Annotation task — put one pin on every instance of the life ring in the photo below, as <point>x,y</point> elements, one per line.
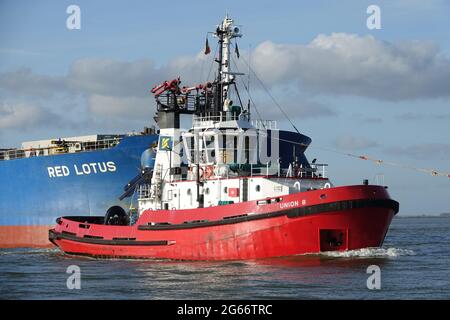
<point>207,172</point>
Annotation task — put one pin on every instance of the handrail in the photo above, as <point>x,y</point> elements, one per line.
<point>209,119</point>
<point>213,117</point>
<point>265,124</point>
<point>315,170</point>
<point>61,148</point>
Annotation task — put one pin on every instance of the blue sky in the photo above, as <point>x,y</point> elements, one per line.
<point>382,93</point>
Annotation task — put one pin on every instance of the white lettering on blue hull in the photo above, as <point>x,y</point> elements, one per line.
<point>83,169</point>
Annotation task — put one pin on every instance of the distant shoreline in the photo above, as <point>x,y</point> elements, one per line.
<point>441,215</point>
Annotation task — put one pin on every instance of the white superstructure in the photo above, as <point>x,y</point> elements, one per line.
<point>223,158</point>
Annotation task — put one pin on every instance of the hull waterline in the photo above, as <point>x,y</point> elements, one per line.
<point>35,236</point>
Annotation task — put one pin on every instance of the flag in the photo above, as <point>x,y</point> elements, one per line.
<point>207,48</point>
<point>236,50</point>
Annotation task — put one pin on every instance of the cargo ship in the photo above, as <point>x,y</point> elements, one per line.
<point>218,190</point>
<point>76,175</point>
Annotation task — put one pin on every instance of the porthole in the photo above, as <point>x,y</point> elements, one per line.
<point>189,192</point>
<point>225,190</point>
<point>258,188</point>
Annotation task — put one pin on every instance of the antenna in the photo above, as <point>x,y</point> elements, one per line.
<point>225,32</point>
<point>248,74</point>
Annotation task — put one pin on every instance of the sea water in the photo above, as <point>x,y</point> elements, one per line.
<point>414,263</point>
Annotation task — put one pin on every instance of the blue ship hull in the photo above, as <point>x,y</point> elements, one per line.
<point>35,191</point>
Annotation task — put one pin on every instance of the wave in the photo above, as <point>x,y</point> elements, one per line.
<point>370,253</point>
<point>14,251</point>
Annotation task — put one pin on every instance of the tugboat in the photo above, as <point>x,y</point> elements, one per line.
<point>220,190</point>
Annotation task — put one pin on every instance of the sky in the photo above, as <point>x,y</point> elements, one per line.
<point>383,93</point>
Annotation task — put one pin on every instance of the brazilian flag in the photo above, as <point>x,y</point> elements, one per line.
<point>165,143</point>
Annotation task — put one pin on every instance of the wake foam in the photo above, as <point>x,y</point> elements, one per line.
<point>370,253</point>
<point>13,251</point>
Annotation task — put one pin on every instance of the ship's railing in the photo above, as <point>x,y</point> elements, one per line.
<point>265,124</point>
<point>186,102</point>
<point>210,118</point>
<point>316,170</point>
<point>143,191</point>
<point>268,169</point>
<point>274,169</point>
<point>231,170</point>
<point>100,144</point>
<point>12,154</point>
<point>59,148</point>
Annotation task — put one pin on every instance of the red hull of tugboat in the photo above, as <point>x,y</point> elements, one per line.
<point>342,218</point>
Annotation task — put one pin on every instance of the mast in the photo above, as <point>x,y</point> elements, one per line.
<point>225,32</point>
<point>173,101</point>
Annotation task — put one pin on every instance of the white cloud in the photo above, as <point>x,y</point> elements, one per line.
<point>336,64</point>
<point>348,64</point>
<point>192,69</point>
<point>23,82</point>
<point>122,107</point>
<point>113,77</point>
<point>296,108</point>
<point>22,115</point>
